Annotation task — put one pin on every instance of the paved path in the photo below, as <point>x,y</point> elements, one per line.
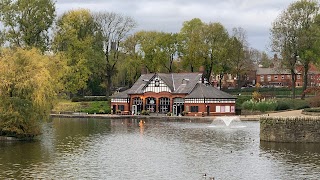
<point>275,114</point>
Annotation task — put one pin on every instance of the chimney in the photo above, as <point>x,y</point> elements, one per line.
<point>144,70</point>
<point>201,70</point>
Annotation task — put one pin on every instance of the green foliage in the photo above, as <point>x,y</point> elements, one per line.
<point>90,98</point>
<point>282,105</point>
<point>96,107</point>
<point>145,112</point>
<point>263,106</point>
<point>293,36</point>
<point>294,103</point>
<point>191,46</point>
<point>18,118</point>
<point>90,107</point>
<point>76,31</point>
<point>316,110</point>
<point>27,80</point>
<point>241,99</point>
<point>26,23</point>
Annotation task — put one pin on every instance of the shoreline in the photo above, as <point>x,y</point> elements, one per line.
<point>292,113</point>
<point>109,116</point>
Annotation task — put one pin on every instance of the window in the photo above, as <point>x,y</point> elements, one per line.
<point>269,77</point>
<point>276,77</point>
<point>151,104</point>
<point>282,77</point>
<point>232,109</point>
<point>227,108</point>
<point>218,109</point>
<point>121,107</point>
<point>288,76</point>
<point>262,78</point>
<point>194,109</point>
<point>164,105</point>
<point>298,76</point>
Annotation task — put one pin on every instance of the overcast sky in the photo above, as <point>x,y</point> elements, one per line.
<point>255,16</point>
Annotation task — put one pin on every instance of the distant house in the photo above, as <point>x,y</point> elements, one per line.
<point>178,93</point>
<point>276,75</point>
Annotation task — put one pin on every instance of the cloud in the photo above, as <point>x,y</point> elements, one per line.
<point>168,15</point>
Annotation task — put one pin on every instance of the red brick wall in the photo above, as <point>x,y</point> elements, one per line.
<point>286,81</point>
<point>202,108</point>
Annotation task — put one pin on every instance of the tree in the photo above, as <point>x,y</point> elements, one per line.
<point>191,44</point>
<point>265,60</point>
<point>292,37</point>
<point>114,28</point>
<point>132,62</point>
<point>29,85</point>
<point>215,42</point>
<point>79,39</point>
<point>27,23</point>
<point>239,55</point>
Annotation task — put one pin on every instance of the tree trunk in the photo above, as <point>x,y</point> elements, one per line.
<point>293,83</point>
<point>108,85</point>
<point>305,79</point>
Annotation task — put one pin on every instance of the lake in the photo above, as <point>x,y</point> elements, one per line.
<point>155,149</point>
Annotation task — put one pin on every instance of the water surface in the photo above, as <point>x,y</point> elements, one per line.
<point>127,149</point>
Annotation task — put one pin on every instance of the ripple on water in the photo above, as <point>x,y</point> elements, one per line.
<point>115,149</point>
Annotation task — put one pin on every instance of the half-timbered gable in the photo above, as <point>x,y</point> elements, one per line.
<point>156,85</point>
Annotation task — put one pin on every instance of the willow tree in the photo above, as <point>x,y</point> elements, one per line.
<point>293,37</point>
<point>29,84</point>
<point>27,23</point>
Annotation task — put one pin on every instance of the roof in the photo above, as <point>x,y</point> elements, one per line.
<point>180,83</point>
<point>265,71</point>
<point>206,91</point>
<point>121,95</point>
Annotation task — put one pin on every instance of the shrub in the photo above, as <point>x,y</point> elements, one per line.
<point>248,105</point>
<point>266,105</point>
<point>90,98</point>
<point>282,105</point>
<point>314,101</point>
<point>145,112</point>
<point>256,96</point>
<point>241,99</point>
<point>295,103</point>
<point>317,110</point>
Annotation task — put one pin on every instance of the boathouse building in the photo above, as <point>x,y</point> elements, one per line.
<point>179,93</point>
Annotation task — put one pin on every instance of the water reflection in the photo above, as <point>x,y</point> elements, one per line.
<point>154,149</point>
<point>303,158</point>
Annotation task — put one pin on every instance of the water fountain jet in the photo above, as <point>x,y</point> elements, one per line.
<point>227,119</point>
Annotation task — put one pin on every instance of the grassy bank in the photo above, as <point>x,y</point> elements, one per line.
<point>90,107</point>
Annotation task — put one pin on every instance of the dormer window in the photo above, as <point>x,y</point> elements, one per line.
<point>185,81</point>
